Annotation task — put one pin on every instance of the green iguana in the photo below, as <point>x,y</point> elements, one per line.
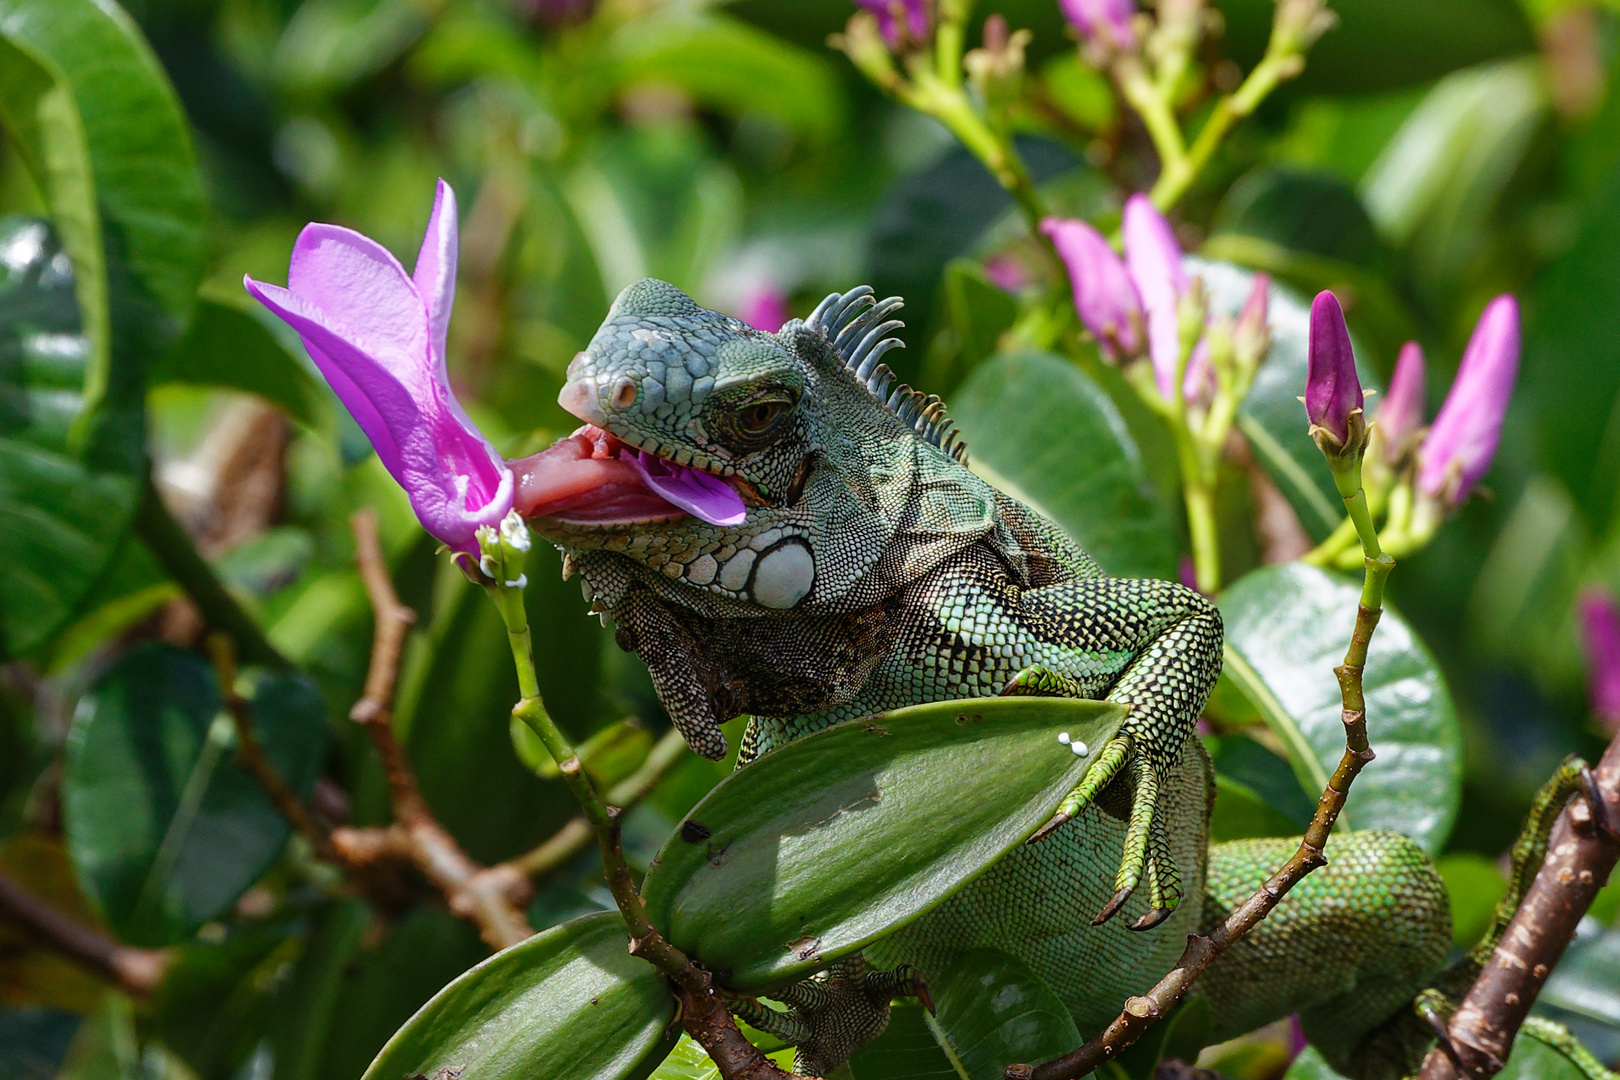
<point>866,568</point>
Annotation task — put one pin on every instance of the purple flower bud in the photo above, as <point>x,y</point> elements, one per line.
<point>764,308</point>
<point>1332,388</point>
<point>900,20</point>
<point>378,336</point>
<point>1103,294</point>
<point>1251,336</point>
<point>1400,412</point>
<point>1154,259</point>
<point>1463,440</point>
<point>1107,22</point>
<point>1600,637</point>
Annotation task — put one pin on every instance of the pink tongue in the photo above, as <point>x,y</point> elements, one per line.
<point>693,490</point>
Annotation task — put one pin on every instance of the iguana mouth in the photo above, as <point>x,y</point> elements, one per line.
<point>594,478</point>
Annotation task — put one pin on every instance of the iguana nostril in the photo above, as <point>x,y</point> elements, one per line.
<point>579,397</point>
<point>624,393</point>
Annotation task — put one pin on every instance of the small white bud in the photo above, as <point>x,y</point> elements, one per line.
<point>1064,738</point>
<point>515,531</point>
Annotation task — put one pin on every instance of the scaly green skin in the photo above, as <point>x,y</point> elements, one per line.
<point>873,571</point>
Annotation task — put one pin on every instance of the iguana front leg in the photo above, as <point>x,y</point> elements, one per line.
<point>1155,646</point>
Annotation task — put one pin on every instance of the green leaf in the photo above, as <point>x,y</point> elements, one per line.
<point>1435,188</point>
<point>734,68</point>
<point>147,184</point>
<point>217,1000</point>
<point>1041,430</point>
<point>229,345</point>
<point>686,1061</point>
<point>1474,885</point>
<point>1587,983</point>
<point>1573,310</point>
<point>831,842</point>
<point>992,1011</point>
<point>164,828</point>
<point>332,44</point>
<point>33,1041</point>
<point>571,1002</point>
<point>42,121</point>
<point>63,514</point>
<point>907,1050</point>
<point>977,313</point>
<point>1286,629</point>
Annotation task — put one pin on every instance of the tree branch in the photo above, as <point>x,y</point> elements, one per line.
<point>1581,853</point>
<point>1141,1013</point>
<point>137,971</point>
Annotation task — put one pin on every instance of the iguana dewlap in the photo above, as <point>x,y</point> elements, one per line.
<point>777,529</point>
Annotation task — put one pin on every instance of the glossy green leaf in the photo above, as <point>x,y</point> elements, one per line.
<point>1586,983</point>
<point>63,514</point>
<point>828,843</point>
<point>569,1003</point>
<point>1041,430</point>
<point>1286,628</point>
<point>146,180</point>
<point>992,1011</point>
<point>907,1050</point>
<point>164,828</point>
<point>228,345</point>
<point>42,122</point>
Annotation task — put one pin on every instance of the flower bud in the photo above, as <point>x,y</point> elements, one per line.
<point>1400,411</point>
<point>1103,294</point>
<point>1463,440</point>
<point>1251,337</point>
<point>997,69</point>
<point>504,550</point>
<point>1106,23</point>
<point>1333,397</point>
<point>902,22</point>
<point>1600,638</point>
<point>1153,258</point>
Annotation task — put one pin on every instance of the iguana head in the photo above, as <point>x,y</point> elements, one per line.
<point>732,473</point>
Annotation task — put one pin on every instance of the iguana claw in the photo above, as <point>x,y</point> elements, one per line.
<point>831,1015</point>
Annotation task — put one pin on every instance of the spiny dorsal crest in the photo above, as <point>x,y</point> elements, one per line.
<point>854,325</point>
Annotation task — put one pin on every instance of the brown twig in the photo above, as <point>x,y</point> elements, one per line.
<point>137,971</point>
<point>1142,1012</point>
<point>251,756</point>
<point>490,897</point>
<point>1581,852</point>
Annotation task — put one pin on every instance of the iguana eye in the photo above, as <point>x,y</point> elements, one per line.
<point>759,418</point>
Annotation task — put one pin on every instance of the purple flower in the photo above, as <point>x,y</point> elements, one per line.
<point>1332,388</point>
<point>1463,440</point>
<point>1400,412</point>
<point>1154,259</point>
<point>1104,296</point>
<point>900,20</point>
<point>1600,636</point>
<point>1107,22</point>
<point>378,336</point>
<point>764,308</point>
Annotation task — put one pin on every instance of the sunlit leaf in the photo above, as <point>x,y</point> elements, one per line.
<point>1286,629</point>
<point>571,1002</point>
<point>826,844</point>
<point>229,346</point>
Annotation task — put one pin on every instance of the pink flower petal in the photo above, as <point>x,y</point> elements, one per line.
<point>1463,440</point>
<point>1104,296</point>
<point>698,493</point>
